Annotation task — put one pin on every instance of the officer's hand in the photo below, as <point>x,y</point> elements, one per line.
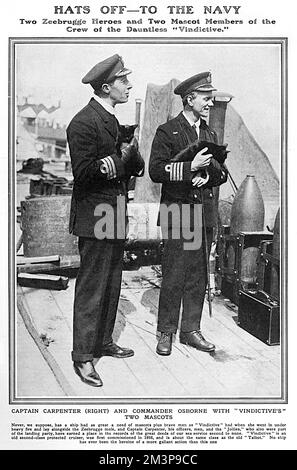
<point>129,153</point>
<point>199,180</point>
<point>201,159</point>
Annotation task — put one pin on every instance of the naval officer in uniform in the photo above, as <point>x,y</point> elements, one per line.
<point>185,183</point>
<point>101,175</point>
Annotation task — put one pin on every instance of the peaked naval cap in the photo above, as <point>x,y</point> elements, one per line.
<point>106,71</point>
<point>200,82</point>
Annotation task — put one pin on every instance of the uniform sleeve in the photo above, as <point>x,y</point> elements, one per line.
<point>161,170</point>
<point>87,166</point>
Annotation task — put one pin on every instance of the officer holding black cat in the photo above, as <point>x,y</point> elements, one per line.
<point>101,174</point>
<point>187,186</point>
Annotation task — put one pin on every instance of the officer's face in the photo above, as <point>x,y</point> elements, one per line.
<point>119,90</point>
<point>200,104</point>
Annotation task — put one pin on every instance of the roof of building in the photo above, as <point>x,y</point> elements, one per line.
<point>48,132</point>
<point>37,108</point>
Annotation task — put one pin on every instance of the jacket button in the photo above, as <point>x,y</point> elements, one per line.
<point>195,196</point>
<point>210,194</point>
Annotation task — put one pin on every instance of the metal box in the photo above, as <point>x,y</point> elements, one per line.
<point>238,257</point>
<point>269,270</point>
<point>259,315</point>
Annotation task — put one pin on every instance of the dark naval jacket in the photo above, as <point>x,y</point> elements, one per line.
<point>176,177</point>
<point>100,174</point>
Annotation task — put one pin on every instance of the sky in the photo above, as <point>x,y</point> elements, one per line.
<point>49,73</point>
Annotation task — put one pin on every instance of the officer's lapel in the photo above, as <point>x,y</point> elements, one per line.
<point>204,131</point>
<point>188,133</point>
<point>109,121</point>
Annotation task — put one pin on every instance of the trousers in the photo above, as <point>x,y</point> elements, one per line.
<point>183,284</point>
<point>96,297</point>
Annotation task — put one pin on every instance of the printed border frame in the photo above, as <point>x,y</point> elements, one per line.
<point>13,41</point>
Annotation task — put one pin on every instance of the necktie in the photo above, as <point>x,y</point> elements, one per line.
<point>196,130</point>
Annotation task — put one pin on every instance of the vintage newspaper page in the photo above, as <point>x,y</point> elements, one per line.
<point>242,396</point>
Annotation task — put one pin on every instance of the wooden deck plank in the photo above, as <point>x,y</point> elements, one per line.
<point>255,372</point>
<point>62,345</point>
<point>237,381</point>
<point>246,367</point>
<point>146,358</point>
<point>226,317</point>
<point>240,340</point>
<point>108,368</point>
<point>236,342</point>
<point>125,338</point>
<point>129,339</point>
<point>242,367</point>
<point>196,379</point>
<point>147,364</point>
<point>228,313</point>
<point>118,380</point>
<point>148,369</point>
<point>48,320</point>
<point>31,363</point>
<point>229,319</point>
<point>64,301</point>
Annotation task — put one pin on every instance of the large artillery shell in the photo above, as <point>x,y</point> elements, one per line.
<point>247,214</point>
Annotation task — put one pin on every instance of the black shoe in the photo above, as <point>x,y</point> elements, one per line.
<point>164,345</point>
<point>196,340</point>
<point>114,350</point>
<point>87,373</point>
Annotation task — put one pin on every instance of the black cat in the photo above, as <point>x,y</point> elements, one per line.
<point>126,134</point>
<point>219,152</point>
<point>127,144</point>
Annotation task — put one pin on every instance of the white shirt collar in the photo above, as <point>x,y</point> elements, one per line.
<point>104,104</point>
<point>191,122</point>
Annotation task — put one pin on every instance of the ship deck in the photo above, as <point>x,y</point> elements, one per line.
<point>242,369</point>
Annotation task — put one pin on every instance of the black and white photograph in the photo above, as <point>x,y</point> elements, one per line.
<point>148,231</point>
<point>112,304</point>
